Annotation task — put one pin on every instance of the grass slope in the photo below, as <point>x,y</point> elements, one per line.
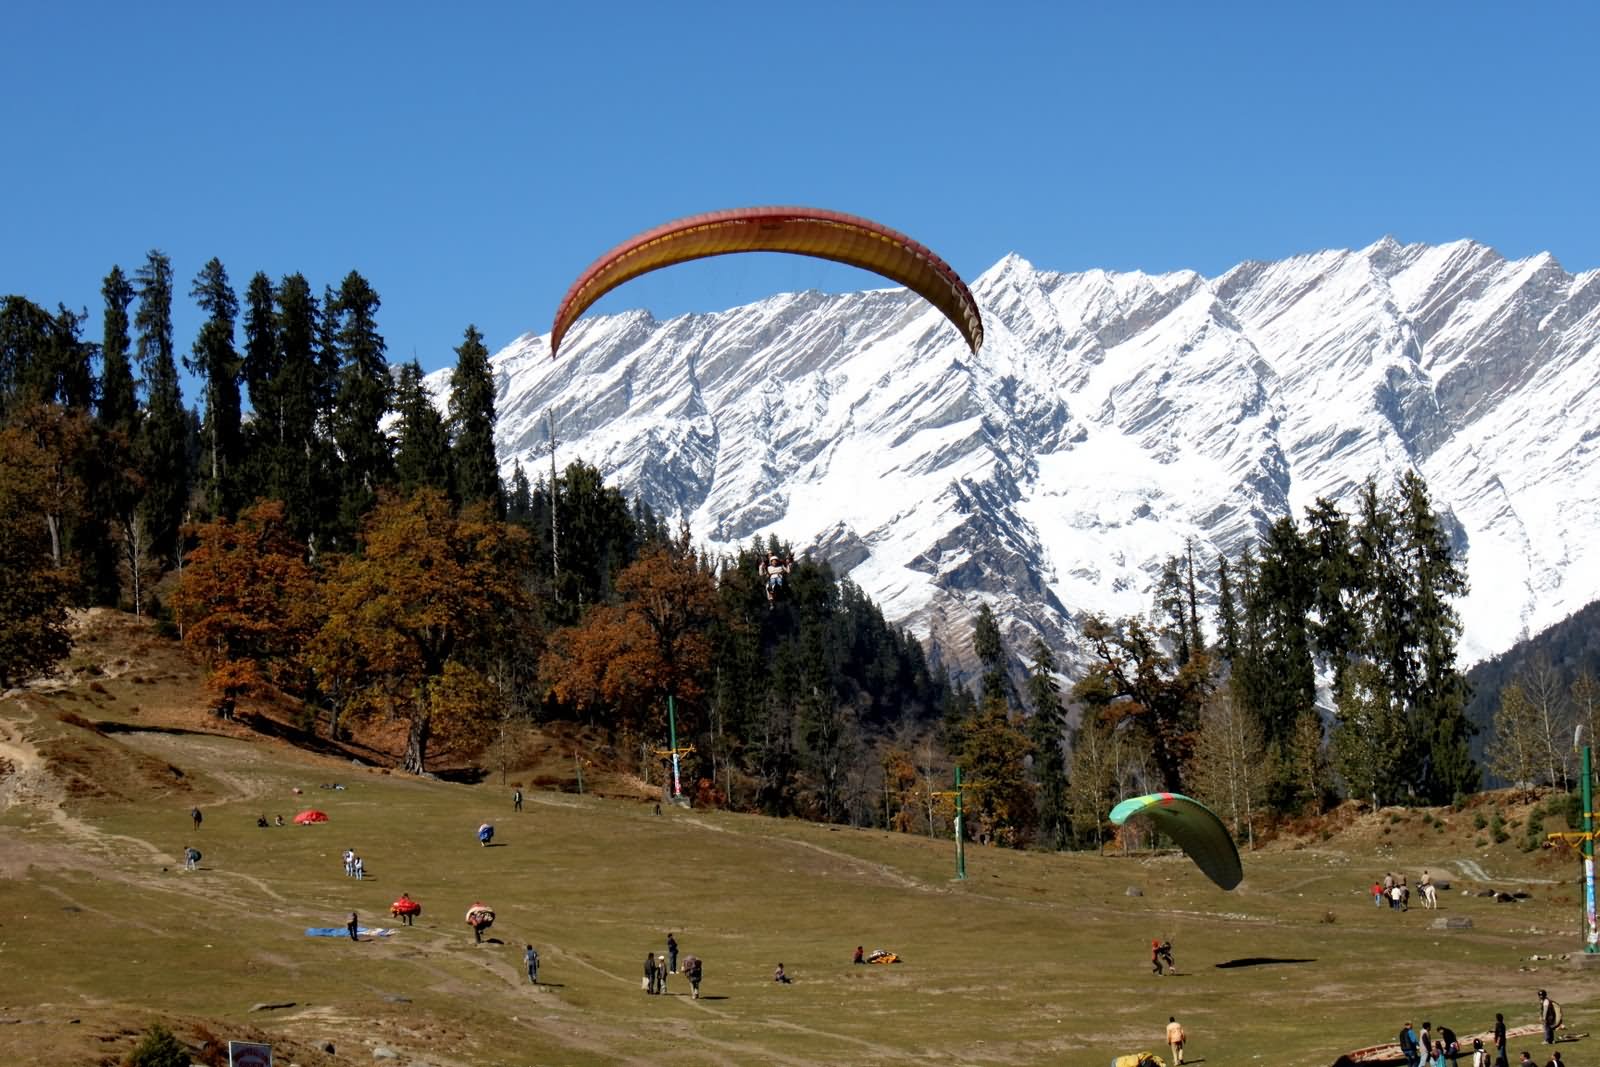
<point>1033,959</point>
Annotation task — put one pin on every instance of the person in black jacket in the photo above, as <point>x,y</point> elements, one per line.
<point>650,972</point>
<point>1500,1053</point>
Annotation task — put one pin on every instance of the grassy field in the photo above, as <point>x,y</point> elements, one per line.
<point>1033,959</point>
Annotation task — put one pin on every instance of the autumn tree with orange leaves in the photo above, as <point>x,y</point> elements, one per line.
<point>248,603</point>
<point>622,660</point>
<point>413,619</point>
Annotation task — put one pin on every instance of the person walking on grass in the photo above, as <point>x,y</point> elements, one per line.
<point>650,973</point>
<point>1175,1038</point>
<point>516,800</point>
<point>1500,1040</point>
<point>694,969</point>
<point>194,813</point>
<point>661,974</point>
<point>353,925</point>
<point>530,960</point>
<point>672,954</point>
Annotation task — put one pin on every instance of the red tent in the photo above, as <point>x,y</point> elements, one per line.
<point>305,818</point>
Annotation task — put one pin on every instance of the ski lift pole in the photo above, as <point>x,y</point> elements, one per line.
<point>672,735</point>
<point>961,851</point>
<point>1591,936</point>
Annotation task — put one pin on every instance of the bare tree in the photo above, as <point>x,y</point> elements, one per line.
<point>1515,751</point>
<point>1227,768</point>
<point>1542,686</point>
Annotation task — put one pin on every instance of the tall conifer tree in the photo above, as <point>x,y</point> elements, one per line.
<point>362,393</point>
<point>300,475</point>
<point>163,450</point>
<point>1045,727</point>
<point>218,364</point>
<point>119,404</point>
<point>261,366</point>
<point>422,445</point>
<point>472,418</point>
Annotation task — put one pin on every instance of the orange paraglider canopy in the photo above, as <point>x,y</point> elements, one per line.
<point>405,906</point>
<point>801,231</point>
<point>305,818</point>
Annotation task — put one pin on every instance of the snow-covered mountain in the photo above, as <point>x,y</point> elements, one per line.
<point>1107,419</point>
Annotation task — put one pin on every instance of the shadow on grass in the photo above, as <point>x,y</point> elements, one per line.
<point>462,775</point>
<point>495,844</point>
<point>1257,961</point>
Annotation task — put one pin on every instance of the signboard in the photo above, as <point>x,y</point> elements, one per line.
<point>249,1054</point>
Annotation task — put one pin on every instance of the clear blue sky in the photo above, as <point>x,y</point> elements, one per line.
<point>471,159</point>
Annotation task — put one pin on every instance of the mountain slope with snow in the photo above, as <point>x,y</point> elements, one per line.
<point>1108,419</point>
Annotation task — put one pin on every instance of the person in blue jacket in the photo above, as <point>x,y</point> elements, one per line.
<point>1408,1045</point>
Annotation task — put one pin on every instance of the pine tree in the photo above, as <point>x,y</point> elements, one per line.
<point>361,400</point>
<point>422,444</point>
<point>119,405</point>
<point>1369,736</point>
<point>1441,730</point>
<point>163,446</point>
<point>1336,629</point>
<point>990,649</point>
<point>261,368</point>
<point>520,505</point>
<point>1285,591</point>
<point>218,365</point>
<point>1227,614</point>
<point>301,474</point>
<point>472,418</point>
<point>1045,728</point>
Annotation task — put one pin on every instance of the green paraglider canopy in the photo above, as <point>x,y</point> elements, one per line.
<point>1196,830</point>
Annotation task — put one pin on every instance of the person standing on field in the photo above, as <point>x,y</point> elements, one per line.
<point>353,925</point>
<point>672,954</point>
<point>1175,1038</point>
<point>516,800</point>
<point>530,960</point>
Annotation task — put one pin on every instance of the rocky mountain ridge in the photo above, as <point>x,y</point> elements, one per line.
<point>1109,419</point>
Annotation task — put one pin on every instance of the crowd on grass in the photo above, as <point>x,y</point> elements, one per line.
<point>1440,1047</point>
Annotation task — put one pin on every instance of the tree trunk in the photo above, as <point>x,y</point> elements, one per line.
<point>417,744</point>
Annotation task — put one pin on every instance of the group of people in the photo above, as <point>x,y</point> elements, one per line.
<point>1394,890</point>
<point>1439,1047</point>
<point>354,866</point>
<point>657,966</point>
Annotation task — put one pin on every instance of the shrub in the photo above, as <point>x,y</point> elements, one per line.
<point>1478,821</point>
<point>157,1048</point>
<point>1570,806</point>
<point>1534,837</point>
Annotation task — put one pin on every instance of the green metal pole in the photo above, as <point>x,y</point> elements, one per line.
<point>672,732</point>
<point>1591,930</point>
<point>961,836</point>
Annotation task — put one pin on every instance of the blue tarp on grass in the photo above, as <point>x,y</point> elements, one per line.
<point>344,931</point>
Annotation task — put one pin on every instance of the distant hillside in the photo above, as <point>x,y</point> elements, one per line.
<point>1570,646</point>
